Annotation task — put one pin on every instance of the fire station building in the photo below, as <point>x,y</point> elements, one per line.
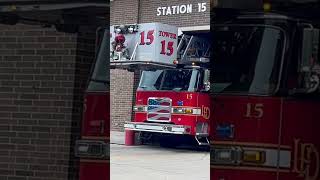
<point>189,15</point>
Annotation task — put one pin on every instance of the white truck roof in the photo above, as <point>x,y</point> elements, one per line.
<point>150,43</point>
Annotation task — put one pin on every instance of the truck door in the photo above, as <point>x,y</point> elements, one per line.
<point>93,148</point>
<point>246,117</point>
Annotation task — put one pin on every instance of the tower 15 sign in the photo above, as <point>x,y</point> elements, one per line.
<point>181,9</point>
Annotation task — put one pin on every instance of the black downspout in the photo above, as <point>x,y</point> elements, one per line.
<point>139,6</point>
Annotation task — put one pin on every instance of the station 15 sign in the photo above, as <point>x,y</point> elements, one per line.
<point>181,9</point>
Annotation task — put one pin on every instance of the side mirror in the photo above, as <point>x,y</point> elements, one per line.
<point>313,83</point>
<point>309,60</point>
<point>206,86</point>
<point>310,46</point>
<point>206,80</point>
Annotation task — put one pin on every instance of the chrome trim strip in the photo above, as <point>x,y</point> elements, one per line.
<point>156,127</point>
<point>266,169</point>
<point>278,159</point>
<point>202,134</point>
<point>249,144</point>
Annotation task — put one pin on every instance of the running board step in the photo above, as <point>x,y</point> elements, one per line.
<point>202,141</point>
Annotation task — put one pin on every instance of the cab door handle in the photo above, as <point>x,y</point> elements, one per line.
<point>102,128</point>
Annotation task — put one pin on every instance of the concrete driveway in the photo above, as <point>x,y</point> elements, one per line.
<point>155,163</point>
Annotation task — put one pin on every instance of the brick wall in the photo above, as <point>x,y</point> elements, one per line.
<point>42,78</point>
<point>123,11</point>
<point>124,83</point>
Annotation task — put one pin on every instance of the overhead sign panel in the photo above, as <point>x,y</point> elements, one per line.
<point>149,43</point>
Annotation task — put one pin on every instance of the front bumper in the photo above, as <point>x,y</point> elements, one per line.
<point>157,127</point>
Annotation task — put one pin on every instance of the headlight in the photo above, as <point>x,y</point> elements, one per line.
<point>253,156</point>
<point>182,110</point>
<point>178,110</point>
<point>188,111</point>
<point>227,155</point>
<point>139,108</point>
<point>234,155</point>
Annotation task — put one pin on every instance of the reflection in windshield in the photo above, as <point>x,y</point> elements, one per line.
<point>176,80</point>
<point>99,78</point>
<point>246,59</point>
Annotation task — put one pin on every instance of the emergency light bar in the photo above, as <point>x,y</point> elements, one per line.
<point>124,29</point>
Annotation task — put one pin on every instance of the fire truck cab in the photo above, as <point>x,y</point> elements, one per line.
<point>265,93</point>
<point>93,148</point>
<point>172,98</point>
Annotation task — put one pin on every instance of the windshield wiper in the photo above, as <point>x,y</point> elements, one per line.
<point>177,89</point>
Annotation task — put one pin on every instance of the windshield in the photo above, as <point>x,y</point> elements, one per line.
<point>170,79</point>
<point>246,59</point>
<point>99,77</point>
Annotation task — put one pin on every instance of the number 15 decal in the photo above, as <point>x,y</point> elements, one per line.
<point>150,37</point>
<point>166,48</point>
<point>169,48</point>
<point>254,110</point>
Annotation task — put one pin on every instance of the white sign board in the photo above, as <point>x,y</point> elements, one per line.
<point>181,9</point>
<point>153,42</point>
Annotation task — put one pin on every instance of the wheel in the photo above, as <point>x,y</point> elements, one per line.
<point>145,138</point>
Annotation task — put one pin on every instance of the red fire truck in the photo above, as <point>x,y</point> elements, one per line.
<point>93,148</point>
<point>265,94</point>
<point>172,100</point>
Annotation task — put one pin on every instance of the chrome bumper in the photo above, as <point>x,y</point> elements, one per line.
<point>157,127</point>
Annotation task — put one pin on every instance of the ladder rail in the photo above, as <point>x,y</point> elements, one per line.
<point>133,56</point>
<point>183,36</point>
<point>185,52</point>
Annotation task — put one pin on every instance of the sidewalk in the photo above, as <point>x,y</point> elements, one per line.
<point>117,137</point>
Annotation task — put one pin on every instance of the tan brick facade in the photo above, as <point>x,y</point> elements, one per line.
<point>124,83</point>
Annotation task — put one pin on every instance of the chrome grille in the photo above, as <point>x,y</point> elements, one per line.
<point>159,109</point>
